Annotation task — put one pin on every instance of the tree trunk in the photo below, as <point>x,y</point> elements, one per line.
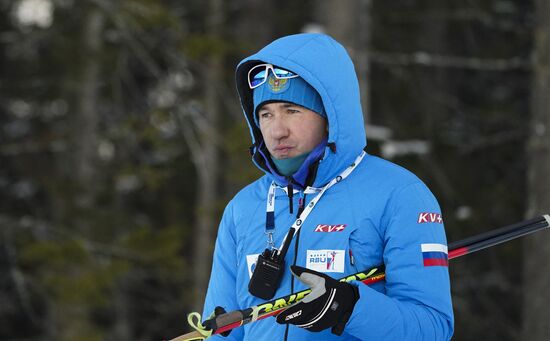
<point>537,248</point>
<point>208,168</point>
<point>86,116</point>
<point>348,21</point>
<point>70,321</point>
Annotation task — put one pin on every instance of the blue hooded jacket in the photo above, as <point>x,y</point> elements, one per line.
<point>380,214</point>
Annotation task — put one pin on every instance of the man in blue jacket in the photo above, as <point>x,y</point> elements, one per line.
<point>339,209</point>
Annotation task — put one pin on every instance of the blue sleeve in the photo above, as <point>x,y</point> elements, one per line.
<point>221,288</point>
<point>416,304</point>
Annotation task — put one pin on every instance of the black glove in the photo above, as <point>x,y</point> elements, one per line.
<point>211,322</point>
<point>329,304</point>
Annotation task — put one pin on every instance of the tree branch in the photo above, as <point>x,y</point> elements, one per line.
<point>434,60</point>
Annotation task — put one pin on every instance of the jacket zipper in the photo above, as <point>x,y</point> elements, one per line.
<point>300,209</point>
<point>290,192</point>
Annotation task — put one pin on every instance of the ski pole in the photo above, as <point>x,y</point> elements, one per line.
<point>237,318</point>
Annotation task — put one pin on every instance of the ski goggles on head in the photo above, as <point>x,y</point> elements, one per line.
<point>258,74</point>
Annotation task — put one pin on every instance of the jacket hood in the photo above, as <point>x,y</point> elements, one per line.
<point>325,65</point>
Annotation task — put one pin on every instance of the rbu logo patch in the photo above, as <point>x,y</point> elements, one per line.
<point>326,260</point>
<point>330,228</point>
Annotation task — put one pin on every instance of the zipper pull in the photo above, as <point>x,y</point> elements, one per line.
<point>290,191</point>
<point>301,201</point>
<point>351,258</point>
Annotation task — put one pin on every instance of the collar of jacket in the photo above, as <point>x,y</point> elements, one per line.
<point>303,177</point>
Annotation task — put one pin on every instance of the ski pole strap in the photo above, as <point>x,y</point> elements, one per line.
<point>194,320</point>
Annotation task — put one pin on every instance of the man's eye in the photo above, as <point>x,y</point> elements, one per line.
<point>292,111</point>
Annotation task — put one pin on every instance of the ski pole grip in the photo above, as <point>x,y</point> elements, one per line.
<point>192,336</point>
<point>229,318</point>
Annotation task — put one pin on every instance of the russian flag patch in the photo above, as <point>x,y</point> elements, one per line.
<point>435,254</point>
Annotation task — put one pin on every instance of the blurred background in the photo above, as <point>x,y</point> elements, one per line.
<point>122,139</point>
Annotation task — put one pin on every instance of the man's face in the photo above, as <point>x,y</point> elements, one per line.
<point>290,130</point>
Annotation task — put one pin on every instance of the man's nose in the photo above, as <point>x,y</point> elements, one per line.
<point>279,128</point>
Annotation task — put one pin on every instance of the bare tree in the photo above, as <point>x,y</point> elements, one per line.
<point>70,320</point>
<point>537,248</point>
<point>206,159</point>
<point>349,22</point>
<point>86,115</point>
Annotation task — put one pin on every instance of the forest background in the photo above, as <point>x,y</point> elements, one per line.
<point>122,139</point>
